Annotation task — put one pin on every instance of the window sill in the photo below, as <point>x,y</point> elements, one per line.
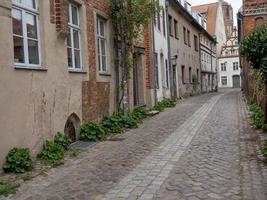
<point>30,68</point>
<point>104,74</point>
<point>77,71</point>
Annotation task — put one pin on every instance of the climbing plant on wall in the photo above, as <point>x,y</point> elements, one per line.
<point>254,47</point>
<point>130,18</point>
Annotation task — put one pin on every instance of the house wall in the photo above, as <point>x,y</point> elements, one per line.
<point>186,55</point>
<point>229,73</point>
<point>161,48</point>
<point>35,104</point>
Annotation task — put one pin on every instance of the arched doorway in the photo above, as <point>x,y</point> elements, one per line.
<point>236,81</point>
<point>72,127</point>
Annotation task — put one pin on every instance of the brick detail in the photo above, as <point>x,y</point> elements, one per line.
<point>59,15</point>
<point>96,95</point>
<point>149,57</point>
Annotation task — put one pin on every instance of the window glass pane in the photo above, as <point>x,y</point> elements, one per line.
<point>99,56</point>
<point>30,3</point>
<point>69,38</point>
<point>103,48</point>
<point>74,11</point>
<point>16,1</point>
<point>18,50</point>
<point>33,52</point>
<point>30,21</point>
<point>69,57</point>
<point>101,27</point>
<point>104,64</point>
<point>76,41</point>
<point>17,22</point>
<point>77,59</point>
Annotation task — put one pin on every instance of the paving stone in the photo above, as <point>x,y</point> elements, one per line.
<point>202,149</point>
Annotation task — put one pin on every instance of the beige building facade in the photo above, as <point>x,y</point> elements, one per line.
<point>184,33</point>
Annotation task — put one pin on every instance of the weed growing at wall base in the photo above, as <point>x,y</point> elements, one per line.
<point>7,188</point>
<point>18,160</point>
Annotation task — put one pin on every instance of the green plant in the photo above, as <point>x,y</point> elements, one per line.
<point>27,176</point>
<point>52,153</point>
<point>254,47</point>
<point>18,160</point>
<point>7,188</point>
<point>264,150</point>
<point>92,132</point>
<point>264,128</point>
<point>165,103</point>
<point>257,114</point>
<point>62,140</point>
<point>114,123</point>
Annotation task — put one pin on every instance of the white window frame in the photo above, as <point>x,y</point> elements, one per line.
<point>224,78</point>
<point>235,66</point>
<point>99,47</point>
<point>73,27</point>
<point>35,12</point>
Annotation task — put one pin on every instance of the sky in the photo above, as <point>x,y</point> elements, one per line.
<point>236,4</point>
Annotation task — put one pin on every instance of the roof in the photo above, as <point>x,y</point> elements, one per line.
<point>210,11</point>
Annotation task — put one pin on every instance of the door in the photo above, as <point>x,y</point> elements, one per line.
<point>236,81</point>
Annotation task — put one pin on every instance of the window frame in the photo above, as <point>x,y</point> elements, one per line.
<point>34,12</point>
<point>99,51</point>
<point>73,28</point>
<point>170,25</point>
<point>156,71</point>
<point>196,42</point>
<point>189,37</point>
<point>235,66</point>
<point>185,35</point>
<point>176,29</point>
<point>224,80</point>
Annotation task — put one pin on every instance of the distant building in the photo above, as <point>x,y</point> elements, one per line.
<point>161,62</point>
<point>213,14</point>
<point>208,58</point>
<point>229,66</point>
<point>228,18</point>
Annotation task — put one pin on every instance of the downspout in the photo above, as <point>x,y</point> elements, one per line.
<point>212,75</point>
<point>153,62</point>
<point>169,49</point>
<point>200,69</point>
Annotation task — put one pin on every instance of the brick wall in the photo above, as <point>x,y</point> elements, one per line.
<point>249,24</point>
<point>96,95</point>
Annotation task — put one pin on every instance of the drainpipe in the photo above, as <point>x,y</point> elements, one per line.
<point>200,61</point>
<point>212,78</point>
<point>169,49</point>
<point>153,62</point>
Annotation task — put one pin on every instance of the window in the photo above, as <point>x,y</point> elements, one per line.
<point>170,25</point>
<point>167,73</point>
<point>25,18</point>
<point>223,67</point>
<point>197,75</point>
<point>235,66</point>
<point>189,38</point>
<point>158,20</point>
<point>176,33</point>
<point>101,45</point>
<point>190,75</point>
<point>156,70</point>
<point>224,80</point>
<point>164,23</point>
<point>185,38</point>
<point>196,42</point>
<point>183,78</point>
<point>73,41</point>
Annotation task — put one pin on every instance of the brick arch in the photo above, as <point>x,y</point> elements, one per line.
<point>72,127</point>
<point>259,21</point>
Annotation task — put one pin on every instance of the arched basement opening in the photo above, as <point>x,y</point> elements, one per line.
<point>72,127</point>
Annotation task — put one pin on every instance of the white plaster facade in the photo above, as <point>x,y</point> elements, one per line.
<point>229,67</point>
<point>162,78</point>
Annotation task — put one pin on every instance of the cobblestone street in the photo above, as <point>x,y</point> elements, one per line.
<point>204,148</point>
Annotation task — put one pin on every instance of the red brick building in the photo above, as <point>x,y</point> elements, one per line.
<point>252,15</point>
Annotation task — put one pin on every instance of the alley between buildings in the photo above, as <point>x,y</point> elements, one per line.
<point>203,148</point>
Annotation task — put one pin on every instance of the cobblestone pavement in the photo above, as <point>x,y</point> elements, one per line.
<point>202,149</point>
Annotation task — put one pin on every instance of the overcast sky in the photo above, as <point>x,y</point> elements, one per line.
<point>235,3</point>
